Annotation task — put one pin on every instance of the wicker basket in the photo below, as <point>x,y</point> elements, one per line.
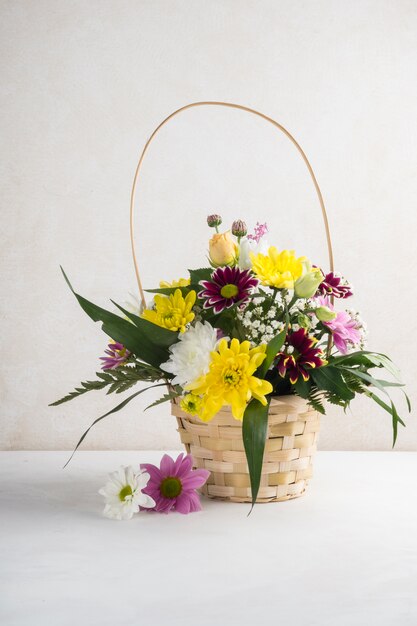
<point>293,426</point>
<point>218,446</point>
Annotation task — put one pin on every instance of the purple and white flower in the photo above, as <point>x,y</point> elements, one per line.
<point>228,286</point>
<point>117,354</point>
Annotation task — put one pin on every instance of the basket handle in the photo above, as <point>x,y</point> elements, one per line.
<point>241,108</point>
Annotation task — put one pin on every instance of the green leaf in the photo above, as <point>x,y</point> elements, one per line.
<point>391,410</point>
<point>254,432</point>
<point>88,385</point>
<point>368,359</point>
<point>141,341</point>
<point>165,398</point>
<point>303,387</point>
<point>273,347</point>
<point>331,379</point>
<point>204,273</point>
<point>381,384</point>
<point>117,408</point>
<point>315,400</point>
<point>158,335</point>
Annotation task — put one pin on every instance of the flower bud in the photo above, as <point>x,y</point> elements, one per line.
<point>324,314</point>
<point>304,321</point>
<point>306,286</point>
<point>239,228</point>
<point>222,249</point>
<point>214,220</point>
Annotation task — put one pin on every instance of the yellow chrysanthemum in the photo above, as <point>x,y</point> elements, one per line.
<point>191,404</point>
<point>172,312</point>
<point>277,269</point>
<point>181,282</point>
<point>230,379</point>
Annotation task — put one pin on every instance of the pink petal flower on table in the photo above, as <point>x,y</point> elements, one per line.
<point>173,484</point>
<point>227,286</point>
<point>335,285</point>
<point>344,328</point>
<point>117,355</point>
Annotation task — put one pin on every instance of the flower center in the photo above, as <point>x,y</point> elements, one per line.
<point>125,493</point>
<point>232,377</point>
<point>171,487</point>
<point>229,291</point>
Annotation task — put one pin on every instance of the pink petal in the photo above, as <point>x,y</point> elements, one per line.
<point>195,504</point>
<point>153,471</point>
<point>195,479</point>
<point>164,505</point>
<point>183,504</point>
<point>177,464</point>
<point>185,466</point>
<point>167,466</point>
<point>340,343</point>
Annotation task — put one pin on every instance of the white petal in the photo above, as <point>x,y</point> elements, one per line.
<point>146,501</point>
<point>142,480</point>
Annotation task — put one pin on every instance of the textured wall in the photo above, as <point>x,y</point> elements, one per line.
<point>83,85</point>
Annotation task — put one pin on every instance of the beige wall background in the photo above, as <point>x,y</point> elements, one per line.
<point>82,86</point>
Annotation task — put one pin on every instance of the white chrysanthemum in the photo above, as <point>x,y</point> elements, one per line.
<point>190,356</point>
<point>123,493</point>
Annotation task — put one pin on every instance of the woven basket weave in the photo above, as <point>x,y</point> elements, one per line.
<point>218,446</point>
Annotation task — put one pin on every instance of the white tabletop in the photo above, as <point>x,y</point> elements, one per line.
<point>345,554</point>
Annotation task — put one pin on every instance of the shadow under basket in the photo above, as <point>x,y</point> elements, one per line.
<point>217,446</point>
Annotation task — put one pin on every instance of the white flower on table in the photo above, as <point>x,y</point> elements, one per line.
<point>123,493</point>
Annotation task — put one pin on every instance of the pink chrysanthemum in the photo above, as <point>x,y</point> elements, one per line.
<point>334,285</point>
<point>173,485</point>
<point>117,355</point>
<point>344,328</point>
<point>227,286</point>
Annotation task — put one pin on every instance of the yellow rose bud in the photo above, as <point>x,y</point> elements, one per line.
<point>324,314</point>
<point>306,286</point>
<point>222,249</point>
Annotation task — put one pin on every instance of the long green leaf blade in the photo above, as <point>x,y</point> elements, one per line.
<point>273,347</point>
<point>330,379</point>
<point>117,408</point>
<point>136,340</point>
<point>254,432</point>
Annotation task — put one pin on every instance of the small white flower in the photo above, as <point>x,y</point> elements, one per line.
<point>123,493</point>
<point>190,356</point>
<point>271,313</point>
<point>274,324</point>
<point>256,324</point>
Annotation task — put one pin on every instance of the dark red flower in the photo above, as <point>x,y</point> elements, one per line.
<point>227,286</point>
<point>334,285</point>
<point>299,355</point>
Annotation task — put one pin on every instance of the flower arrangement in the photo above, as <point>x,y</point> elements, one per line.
<point>256,322</point>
